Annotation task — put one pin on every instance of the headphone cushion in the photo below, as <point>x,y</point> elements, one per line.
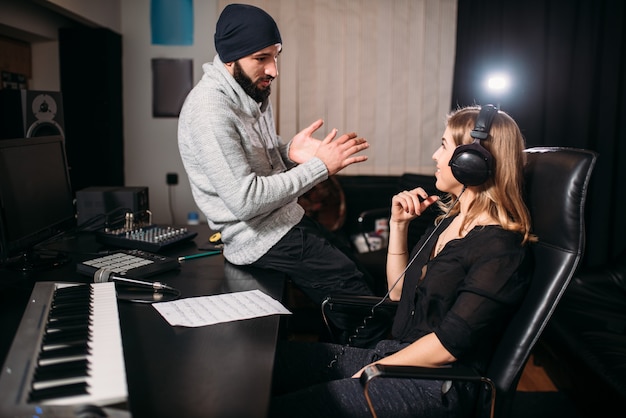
<point>471,164</point>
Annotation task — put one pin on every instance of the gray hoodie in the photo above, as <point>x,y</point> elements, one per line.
<point>240,175</point>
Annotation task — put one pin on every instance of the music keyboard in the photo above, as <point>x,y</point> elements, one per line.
<point>67,352</point>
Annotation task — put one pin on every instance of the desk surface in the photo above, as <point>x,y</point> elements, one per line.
<point>217,371</point>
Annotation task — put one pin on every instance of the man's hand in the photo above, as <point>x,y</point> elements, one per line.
<point>336,154</point>
<point>303,145</point>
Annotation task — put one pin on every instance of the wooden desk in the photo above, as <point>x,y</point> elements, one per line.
<point>220,370</point>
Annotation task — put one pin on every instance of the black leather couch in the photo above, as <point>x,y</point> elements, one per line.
<point>583,348</point>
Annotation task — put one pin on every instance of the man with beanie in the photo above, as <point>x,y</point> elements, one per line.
<point>246,180</point>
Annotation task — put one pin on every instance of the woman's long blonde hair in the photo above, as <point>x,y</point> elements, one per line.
<point>502,194</point>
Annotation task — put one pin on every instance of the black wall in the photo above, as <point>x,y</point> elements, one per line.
<point>567,59</point>
<point>91,83</point>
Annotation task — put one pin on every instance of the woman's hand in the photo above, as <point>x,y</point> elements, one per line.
<point>409,204</point>
<point>360,372</point>
<point>405,206</point>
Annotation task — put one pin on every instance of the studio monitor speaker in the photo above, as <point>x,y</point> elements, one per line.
<point>30,113</point>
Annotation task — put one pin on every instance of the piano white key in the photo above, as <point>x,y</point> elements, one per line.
<point>106,383</point>
<point>107,377</point>
<point>108,370</point>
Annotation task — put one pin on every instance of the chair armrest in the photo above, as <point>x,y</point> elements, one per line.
<point>417,372</point>
<point>351,303</point>
<point>359,308</point>
<point>445,373</point>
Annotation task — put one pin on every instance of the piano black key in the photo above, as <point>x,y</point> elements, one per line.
<point>74,389</point>
<point>71,291</point>
<point>52,350</point>
<point>69,309</point>
<point>67,324</point>
<point>77,307</point>
<point>65,370</point>
<point>73,317</point>
<point>70,337</point>
<point>76,295</point>
<point>63,353</point>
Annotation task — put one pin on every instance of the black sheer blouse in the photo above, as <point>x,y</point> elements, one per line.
<point>466,294</point>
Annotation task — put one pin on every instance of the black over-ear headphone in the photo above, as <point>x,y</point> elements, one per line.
<point>471,163</point>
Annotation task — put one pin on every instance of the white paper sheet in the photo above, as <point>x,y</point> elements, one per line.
<point>208,310</point>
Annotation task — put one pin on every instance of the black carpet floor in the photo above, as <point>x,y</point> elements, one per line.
<point>544,405</point>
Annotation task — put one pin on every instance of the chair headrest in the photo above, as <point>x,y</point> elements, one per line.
<point>555,188</point>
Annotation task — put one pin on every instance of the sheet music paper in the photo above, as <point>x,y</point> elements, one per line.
<point>209,310</point>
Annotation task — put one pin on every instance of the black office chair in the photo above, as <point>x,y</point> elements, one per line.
<point>557,181</point>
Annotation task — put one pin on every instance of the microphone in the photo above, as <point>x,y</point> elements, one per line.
<point>105,275</point>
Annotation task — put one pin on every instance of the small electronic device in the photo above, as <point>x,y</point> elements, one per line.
<point>105,201</point>
<point>152,238</point>
<point>134,264</point>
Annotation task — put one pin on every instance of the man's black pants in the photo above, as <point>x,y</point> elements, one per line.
<point>318,264</point>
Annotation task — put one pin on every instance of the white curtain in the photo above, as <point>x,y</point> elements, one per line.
<point>381,68</point>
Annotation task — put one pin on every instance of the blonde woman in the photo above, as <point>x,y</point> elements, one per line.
<point>456,289</point>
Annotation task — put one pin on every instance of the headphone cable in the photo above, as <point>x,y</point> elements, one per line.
<point>352,337</point>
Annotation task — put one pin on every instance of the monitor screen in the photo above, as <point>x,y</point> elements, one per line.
<point>36,200</point>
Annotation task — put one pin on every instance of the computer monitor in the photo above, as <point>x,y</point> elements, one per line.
<point>36,200</point>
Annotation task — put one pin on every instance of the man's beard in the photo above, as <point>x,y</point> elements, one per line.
<point>249,86</point>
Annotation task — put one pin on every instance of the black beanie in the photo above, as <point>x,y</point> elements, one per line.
<point>242,30</point>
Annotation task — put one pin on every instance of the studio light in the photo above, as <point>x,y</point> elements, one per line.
<point>497,86</point>
<point>498,83</point>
